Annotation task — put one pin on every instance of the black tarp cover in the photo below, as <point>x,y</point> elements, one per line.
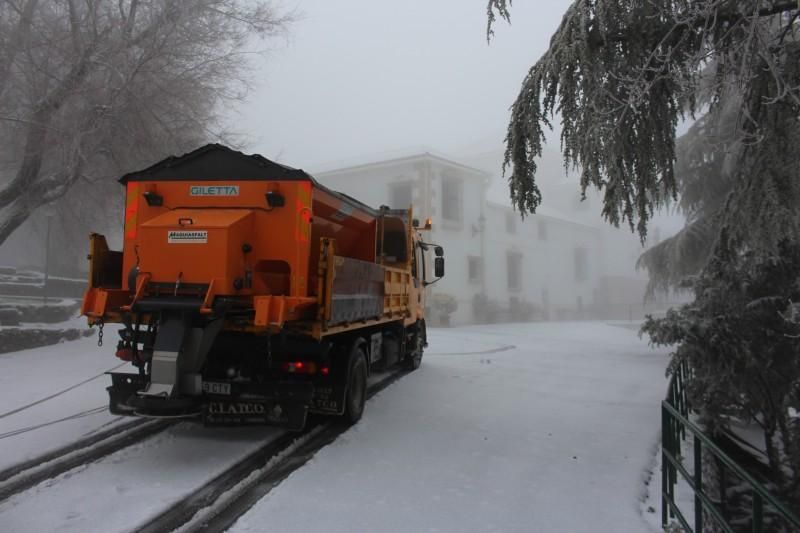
<point>215,162</point>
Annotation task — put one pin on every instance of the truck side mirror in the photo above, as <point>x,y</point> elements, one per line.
<point>439,251</point>
<point>438,267</point>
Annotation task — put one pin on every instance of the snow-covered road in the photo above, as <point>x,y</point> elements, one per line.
<point>29,376</point>
<point>555,435</point>
<point>537,427</point>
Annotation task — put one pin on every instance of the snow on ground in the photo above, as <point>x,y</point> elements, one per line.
<point>683,493</point>
<point>556,435</point>
<point>123,490</point>
<point>29,376</point>
<point>537,427</point>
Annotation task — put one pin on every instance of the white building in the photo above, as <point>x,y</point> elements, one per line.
<point>552,265</point>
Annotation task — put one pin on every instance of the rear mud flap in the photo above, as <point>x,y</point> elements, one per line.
<point>329,396</point>
<point>249,412</point>
<point>282,404</point>
<point>328,399</point>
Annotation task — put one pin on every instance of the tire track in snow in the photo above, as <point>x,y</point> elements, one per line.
<point>216,505</point>
<point>74,416</point>
<point>59,393</point>
<point>22,476</point>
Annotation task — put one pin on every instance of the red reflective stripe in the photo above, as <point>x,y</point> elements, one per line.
<point>303,205</point>
<point>303,229</point>
<point>131,211</point>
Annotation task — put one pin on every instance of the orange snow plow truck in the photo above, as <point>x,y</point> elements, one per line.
<point>249,293</point>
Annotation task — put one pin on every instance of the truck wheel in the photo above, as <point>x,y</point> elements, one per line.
<point>356,394</point>
<point>414,357</point>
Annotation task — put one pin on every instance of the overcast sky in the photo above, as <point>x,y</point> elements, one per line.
<point>360,77</point>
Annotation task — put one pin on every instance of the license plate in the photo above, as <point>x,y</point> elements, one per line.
<point>211,387</point>
<point>239,409</point>
<point>239,413</point>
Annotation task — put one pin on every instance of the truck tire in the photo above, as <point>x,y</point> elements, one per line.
<point>356,395</point>
<point>416,347</point>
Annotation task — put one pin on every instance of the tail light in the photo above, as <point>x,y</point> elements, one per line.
<point>126,354</point>
<point>304,367</point>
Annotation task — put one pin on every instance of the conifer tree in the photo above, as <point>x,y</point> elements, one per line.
<point>621,74</point>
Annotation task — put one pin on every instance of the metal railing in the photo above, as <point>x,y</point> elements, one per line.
<point>675,425</point>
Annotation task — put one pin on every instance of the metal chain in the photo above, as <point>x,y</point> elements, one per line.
<point>100,325</point>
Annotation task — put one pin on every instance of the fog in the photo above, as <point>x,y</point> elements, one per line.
<point>357,82</point>
<point>358,77</point>
<point>363,82</point>
<point>295,216</point>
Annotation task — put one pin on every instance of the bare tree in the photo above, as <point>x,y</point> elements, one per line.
<point>91,88</point>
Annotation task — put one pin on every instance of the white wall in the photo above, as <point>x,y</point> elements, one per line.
<point>548,261</point>
<point>460,239</point>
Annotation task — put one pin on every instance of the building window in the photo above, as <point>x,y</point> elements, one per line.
<point>581,264</point>
<point>542,226</point>
<point>400,195</point>
<point>451,199</point>
<point>514,266</point>
<point>474,269</point>
<point>511,222</point>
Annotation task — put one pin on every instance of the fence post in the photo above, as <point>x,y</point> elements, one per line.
<point>723,485</point>
<point>664,470</point>
<point>698,484</point>
<point>758,513</point>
